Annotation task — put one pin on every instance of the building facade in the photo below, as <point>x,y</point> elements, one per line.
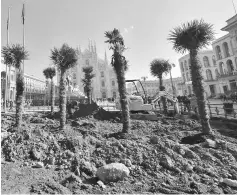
<point>35,88</point>
<point>225,49</point>
<point>210,74</point>
<point>151,87</point>
<point>104,83</point>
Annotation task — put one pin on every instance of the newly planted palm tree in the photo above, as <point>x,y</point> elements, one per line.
<point>192,37</point>
<point>64,58</point>
<point>87,81</point>
<point>50,73</point>
<point>120,65</point>
<point>159,68</point>
<point>14,55</point>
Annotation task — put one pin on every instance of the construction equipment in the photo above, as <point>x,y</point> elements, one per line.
<point>138,101</point>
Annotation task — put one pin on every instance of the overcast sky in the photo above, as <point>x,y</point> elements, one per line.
<point>145,25</point>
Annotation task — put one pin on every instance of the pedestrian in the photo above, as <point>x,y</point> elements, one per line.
<point>11,105</point>
<point>224,98</point>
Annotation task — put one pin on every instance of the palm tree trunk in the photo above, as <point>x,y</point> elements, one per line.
<point>89,96</point>
<point>52,96</point>
<point>62,97</point>
<point>123,100</point>
<point>196,73</point>
<point>19,99</point>
<point>163,99</point>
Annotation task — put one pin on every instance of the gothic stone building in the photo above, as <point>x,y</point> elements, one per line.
<point>105,81</point>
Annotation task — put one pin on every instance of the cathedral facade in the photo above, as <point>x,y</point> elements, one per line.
<point>104,83</point>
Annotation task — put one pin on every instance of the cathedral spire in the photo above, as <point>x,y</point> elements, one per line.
<point>106,57</point>
<point>94,46</point>
<point>92,50</point>
<point>89,45</point>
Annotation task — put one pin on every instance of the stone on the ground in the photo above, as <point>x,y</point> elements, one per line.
<point>166,162</point>
<point>127,162</point>
<point>210,143</point>
<point>39,165</point>
<point>88,168</point>
<point>51,160</point>
<point>112,172</point>
<point>230,182</point>
<point>154,139</point>
<point>36,154</point>
<point>101,184</point>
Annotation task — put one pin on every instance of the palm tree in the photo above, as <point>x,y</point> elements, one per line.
<point>158,68</point>
<point>87,81</point>
<point>192,37</point>
<point>49,73</point>
<point>64,58</point>
<point>120,65</point>
<point>14,55</point>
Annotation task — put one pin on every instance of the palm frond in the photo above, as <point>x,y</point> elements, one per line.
<point>159,67</point>
<point>192,35</point>
<point>64,57</point>
<point>14,54</point>
<point>49,72</point>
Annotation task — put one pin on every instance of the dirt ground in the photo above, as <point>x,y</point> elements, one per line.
<point>168,156</point>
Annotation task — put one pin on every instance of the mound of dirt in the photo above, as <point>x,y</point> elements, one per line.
<point>168,156</point>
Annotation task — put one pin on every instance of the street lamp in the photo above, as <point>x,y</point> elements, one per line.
<point>170,67</point>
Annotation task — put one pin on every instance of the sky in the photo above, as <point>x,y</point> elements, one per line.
<point>144,24</point>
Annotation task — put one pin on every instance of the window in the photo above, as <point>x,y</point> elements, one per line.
<point>184,78</point>
<point>87,62</point>
<point>102,74</point>
<point>209,75</point>
<point>214,60</point>
<point>217,73</point>
<point>230,66</point>
<point>221,68</point>
<point>103,94</point>
<point>114,94</point>
<point>226,50</point>
<point>182,66</point>
<point>206,61</point>
<point>113,83</point>
<point>218,52</point>
<point>103,83</point>
<point>187,76</point>
<point>189,62</point>
<point>185,65</point>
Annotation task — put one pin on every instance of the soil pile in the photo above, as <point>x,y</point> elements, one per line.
<point>168,156</point>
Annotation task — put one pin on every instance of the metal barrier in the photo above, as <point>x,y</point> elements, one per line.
<point>219,110</point>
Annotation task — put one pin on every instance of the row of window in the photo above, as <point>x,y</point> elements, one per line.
<point>221,71</point>
<point>225,49</point>
<point>103,83</point>
<point>185,66</point>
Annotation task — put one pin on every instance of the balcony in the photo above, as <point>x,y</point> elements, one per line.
<point>210,80</point>
<point>229,74</point>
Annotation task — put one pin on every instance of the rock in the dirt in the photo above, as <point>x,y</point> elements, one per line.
<point>210,143</point>
<point>101,184</point>
<point>154,139</point>
<point>71,178</point>
<point>127,162</point>
<point>112,172</point>
<point>166,162</point>
<point>230,182</point>
<point>39,165</point>
<point>36,155</point>
<point>88,168</point>
<point>51,160</point>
